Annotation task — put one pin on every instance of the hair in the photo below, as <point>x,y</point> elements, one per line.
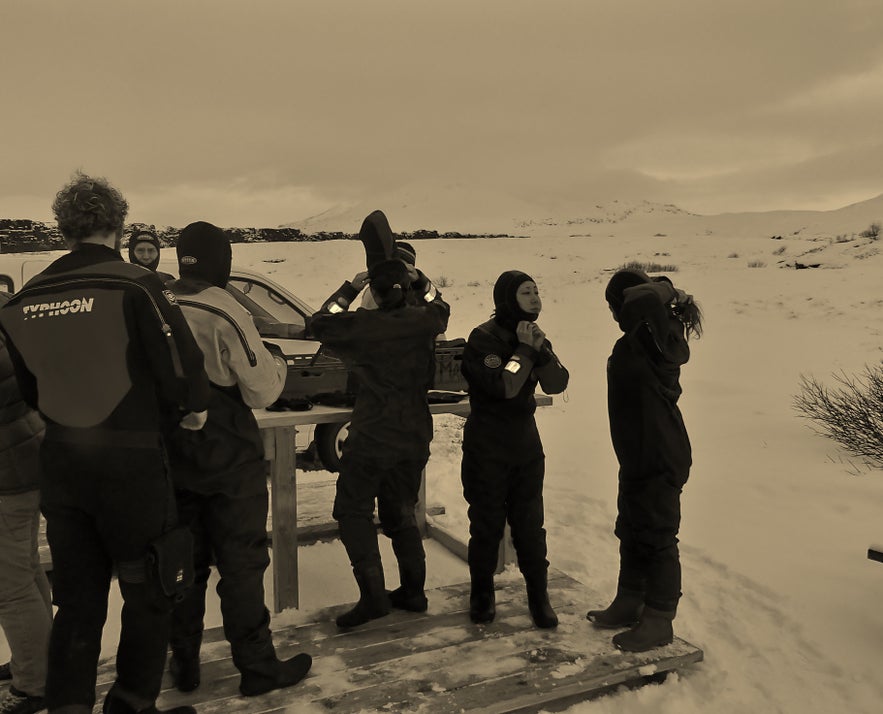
<point>690,316</point>
<point>87,206</point>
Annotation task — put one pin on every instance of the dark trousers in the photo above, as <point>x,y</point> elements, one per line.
<point>103,506</point>
<point>232,532</point>
<point>498,490</point>
<point>395,485</point>
<point>649,516</point>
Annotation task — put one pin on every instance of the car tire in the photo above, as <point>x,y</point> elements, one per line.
<point>329,440</point>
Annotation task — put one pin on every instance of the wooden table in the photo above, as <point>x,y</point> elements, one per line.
<point>280,430</point>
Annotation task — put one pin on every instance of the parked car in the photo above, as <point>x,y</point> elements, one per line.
<point>315,375</point>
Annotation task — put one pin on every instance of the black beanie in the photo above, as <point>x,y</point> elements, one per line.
<point>389,280</point>
<point>144,236</point>
<point>621,281</point>
<point>406,252</point>
<point>204,253</point>
<point>506,309</point>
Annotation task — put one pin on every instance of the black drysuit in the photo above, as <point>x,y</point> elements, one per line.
<point>391,352</point>
<point>503,461</point>
<point>102,352</point>
<point>650,441</point>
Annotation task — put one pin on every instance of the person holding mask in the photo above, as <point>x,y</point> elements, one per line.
<point>220,474</point>
<point>653,450</point>
<point>391,352</point>
<point>103,353</point>
<point>503,461</point>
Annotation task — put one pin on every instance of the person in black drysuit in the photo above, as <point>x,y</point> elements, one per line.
<point>653,450</point>
<point>391,351</point>
<point>220,474</point>
<point>102,352</point>
<point>503,461</point>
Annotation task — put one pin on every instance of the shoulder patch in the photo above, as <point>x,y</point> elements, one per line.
<point>170,296</point>
<point>492,361</point>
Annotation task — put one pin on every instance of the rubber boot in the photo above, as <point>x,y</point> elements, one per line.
<point>407,544</point>
<point>281,674</point>
<point>624,611</point>
<point>115,704</point>
<point>410,595</point>
<point>482,601</point>
<point>538,603</point>
<point>184,668</point>
<point>373,600</point>
<point>653,630</point>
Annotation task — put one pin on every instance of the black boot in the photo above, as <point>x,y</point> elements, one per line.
<point>624,611</point>
<point>373,600</point>
<point>653,630</point>
<point>184,668</point>
<point>280,674</point>
<point>482,601</point>
<point>538,601</point>
<point>115,704</point>
<point>407,544</point>
<point>410,595</point>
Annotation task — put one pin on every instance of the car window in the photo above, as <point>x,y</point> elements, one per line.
<point>269,302</point>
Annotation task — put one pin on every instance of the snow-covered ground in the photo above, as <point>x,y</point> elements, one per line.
<point>776,520</point>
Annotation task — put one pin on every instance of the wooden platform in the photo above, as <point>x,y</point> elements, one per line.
<point>440,662</point>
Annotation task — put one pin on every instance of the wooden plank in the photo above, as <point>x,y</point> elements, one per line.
<point>439,661</point>
<point>283,504</point>
<point>875,552</point>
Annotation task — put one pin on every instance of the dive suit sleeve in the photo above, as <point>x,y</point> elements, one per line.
<point>169,344</point>
<point>491,367</point>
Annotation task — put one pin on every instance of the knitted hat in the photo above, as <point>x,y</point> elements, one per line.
<point>406,252</point>
<point>506,308</point>
<point>620,281</point>
<point>204,253</point>
<point>144,236</point>
<point>389,281</point>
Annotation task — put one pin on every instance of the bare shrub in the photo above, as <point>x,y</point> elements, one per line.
<point>442,281</point>
<point>756,264</point>
<point>851,414</point>
<point>872,231</point>
<point>733,255</point>
<point>648,267</point>
<point>779,250</point>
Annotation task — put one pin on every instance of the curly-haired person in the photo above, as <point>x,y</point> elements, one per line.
<point>102,352</point>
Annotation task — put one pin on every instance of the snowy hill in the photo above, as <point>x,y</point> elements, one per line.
<point>468,208</point>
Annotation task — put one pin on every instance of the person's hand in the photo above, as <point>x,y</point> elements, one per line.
<point>360,280</point>
<point>530,334</point>
<point>194,421</point>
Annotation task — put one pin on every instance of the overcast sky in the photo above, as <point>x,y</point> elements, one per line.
<point>261,113</point>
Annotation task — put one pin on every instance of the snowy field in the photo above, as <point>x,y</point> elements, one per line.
<point>776,520</point>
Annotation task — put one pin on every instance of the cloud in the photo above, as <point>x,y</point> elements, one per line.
<point>336,99</point>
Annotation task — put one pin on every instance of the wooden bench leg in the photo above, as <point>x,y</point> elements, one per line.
<point>283,480</point>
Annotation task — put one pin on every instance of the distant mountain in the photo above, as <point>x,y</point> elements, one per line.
<point>460,208</point>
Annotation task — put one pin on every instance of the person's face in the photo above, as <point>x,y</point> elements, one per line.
<point>528,297</point>
<point>145,253</point>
